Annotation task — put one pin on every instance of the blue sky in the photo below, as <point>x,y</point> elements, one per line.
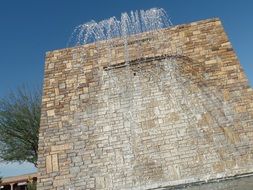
<point>29,28</point>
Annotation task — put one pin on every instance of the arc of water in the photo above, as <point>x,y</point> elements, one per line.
<point>129,24</point>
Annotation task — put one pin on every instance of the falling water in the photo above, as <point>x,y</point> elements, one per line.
<point>134,23</point>
<point>165,78</point>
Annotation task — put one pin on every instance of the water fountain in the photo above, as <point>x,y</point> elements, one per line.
<point>144,111</point>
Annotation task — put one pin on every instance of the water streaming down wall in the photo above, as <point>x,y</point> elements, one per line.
<point>142,110</point>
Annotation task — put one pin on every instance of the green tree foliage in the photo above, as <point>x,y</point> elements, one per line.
<point>19,125</point>
<point>31,185</point>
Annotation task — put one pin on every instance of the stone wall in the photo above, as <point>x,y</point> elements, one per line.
<point>169,107</point>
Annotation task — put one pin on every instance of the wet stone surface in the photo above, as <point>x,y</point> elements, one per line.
<point>172,107</point>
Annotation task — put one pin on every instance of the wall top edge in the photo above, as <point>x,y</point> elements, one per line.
<point>173,28</point>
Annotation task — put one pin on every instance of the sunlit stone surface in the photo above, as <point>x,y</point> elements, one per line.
<point>165,107</point>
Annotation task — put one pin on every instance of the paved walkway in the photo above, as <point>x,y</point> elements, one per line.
<point>245,183</point>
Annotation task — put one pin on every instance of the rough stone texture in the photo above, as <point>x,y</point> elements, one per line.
<point>180,112</point>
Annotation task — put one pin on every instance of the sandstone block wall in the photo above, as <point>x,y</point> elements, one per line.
<point>179,111</point>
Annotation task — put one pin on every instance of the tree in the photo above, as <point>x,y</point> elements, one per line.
<point>32,184</point>
<point>19,125</point>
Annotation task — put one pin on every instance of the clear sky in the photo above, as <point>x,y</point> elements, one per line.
<point>29,28</point>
